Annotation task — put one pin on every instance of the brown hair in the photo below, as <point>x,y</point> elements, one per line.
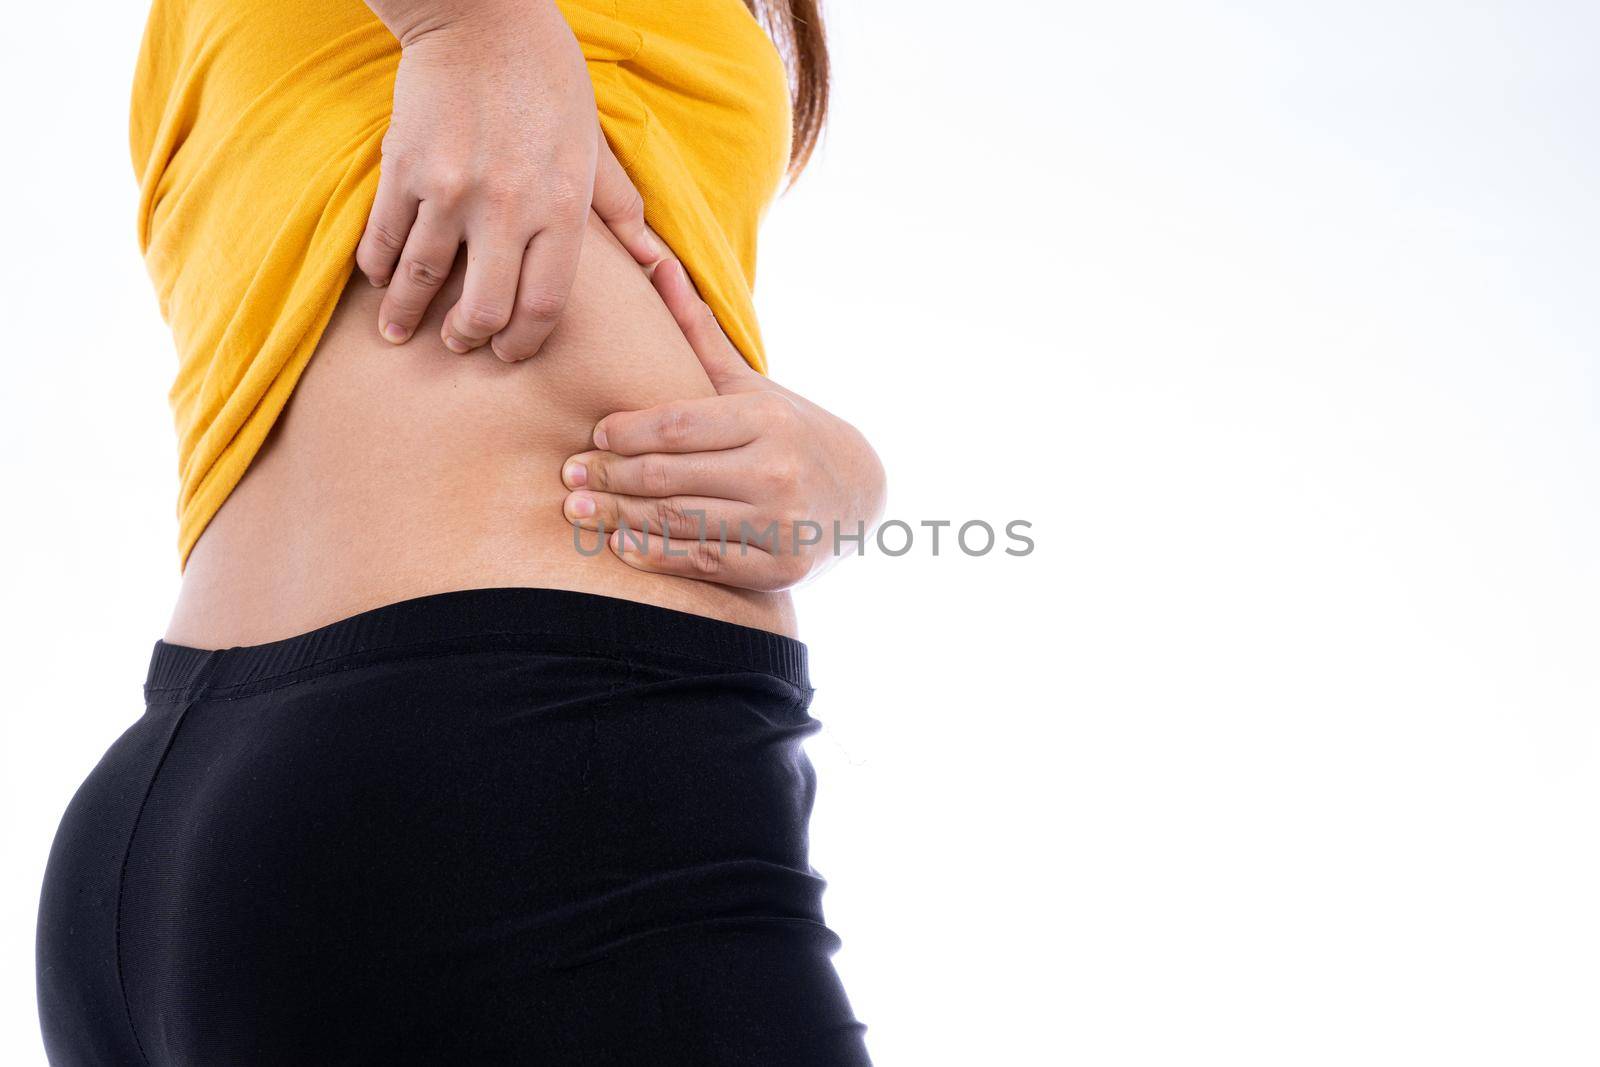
<point>796,28</point>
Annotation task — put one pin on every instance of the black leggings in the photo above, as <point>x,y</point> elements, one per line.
<point>500,826</point>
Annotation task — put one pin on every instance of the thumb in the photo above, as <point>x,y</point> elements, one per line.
<point>621,208</point>
<point>723,364</point>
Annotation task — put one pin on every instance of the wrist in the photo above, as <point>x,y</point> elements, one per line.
<point>415,22</point>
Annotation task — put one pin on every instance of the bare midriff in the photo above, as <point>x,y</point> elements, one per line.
<point>400,471</point>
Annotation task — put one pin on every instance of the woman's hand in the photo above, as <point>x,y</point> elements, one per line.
<point>756,454</point>
<point>494,142</point>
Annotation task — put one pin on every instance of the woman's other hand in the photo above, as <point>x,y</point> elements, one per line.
<point>756,454</point>
<point>494,143</point>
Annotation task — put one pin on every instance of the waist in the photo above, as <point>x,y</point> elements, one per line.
<point>399,472</point>
<point>485,621</point>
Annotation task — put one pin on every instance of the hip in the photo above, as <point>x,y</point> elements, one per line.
<point>499,825</point>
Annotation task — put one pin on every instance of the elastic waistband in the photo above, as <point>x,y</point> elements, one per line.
<point>479,620</point>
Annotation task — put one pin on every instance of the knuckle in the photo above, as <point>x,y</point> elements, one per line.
<point>395,152</point>
<point>674,515</point>
<point>542,305</point>
<point>480,318</point>
<point>674,425</point>
<point>704,558</point>
<point>385,237</point>
<point>566,196</point>
<point>781,477</point>
<point>791,518</point>
<point>447,184</point>
<point>633,205</point>
<point>422,274</point>
<point>774,407</point>
<point>653,478</point>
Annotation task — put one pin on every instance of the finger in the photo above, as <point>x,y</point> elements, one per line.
<point>487,295</point>
<point>684,517</point>
<point>723,364</point>
<point>393,213</point>
<point>548,268</point>
<point>704,424</point>
<point>658,475</point>
<point>621,208</point>
<point>429,254</point>
<point>737,564</point>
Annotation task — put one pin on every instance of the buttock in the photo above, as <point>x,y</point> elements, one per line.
<point>495,826</point>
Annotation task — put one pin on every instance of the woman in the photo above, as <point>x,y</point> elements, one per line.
<point>424,775</point>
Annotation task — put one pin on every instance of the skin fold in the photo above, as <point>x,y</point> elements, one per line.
<point>399,471</point>
<point>757,465</point>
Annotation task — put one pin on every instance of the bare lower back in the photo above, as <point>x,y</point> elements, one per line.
<point>395,472</point>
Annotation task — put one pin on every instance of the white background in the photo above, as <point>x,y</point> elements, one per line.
<point>1279,323</point>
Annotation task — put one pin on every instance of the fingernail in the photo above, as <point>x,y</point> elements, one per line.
<point>615,540</point>
<point>580,506</point>
<point>376,282</point>
<point>600,437</point>
<point>395,332</point>
<point>457,346</point>
<point>575,475</point>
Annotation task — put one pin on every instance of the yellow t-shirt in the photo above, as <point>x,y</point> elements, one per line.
<point>256,132</point>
